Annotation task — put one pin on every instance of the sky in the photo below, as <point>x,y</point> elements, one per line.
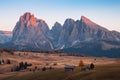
<point>103,12</point>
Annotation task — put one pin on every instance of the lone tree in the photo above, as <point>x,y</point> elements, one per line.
<point>92,66</point>
<point>54,64</point>
<point>1,50</point>
<point>8,61</point>
<point>81,64</point>
<point>2,61</point>
<point>12,51</point>
<point>44,69</point>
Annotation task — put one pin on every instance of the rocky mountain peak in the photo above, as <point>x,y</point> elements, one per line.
<point>57,24</point>
<point>31,31</point>
<point>84,18</point>
<point>26,16</point>
<point>69,21</point>
<point>29,19</point>
<point>87,21</point>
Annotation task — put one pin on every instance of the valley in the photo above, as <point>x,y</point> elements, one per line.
<point>105,68</point>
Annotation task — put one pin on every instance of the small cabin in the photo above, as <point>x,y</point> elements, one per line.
<point>69,68</point>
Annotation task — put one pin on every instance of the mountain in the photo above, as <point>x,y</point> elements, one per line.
<point>85,36</point>
<point>84,31</point>
<point>5,36</point>
<point>90,38</point>
<point>65,33</point>
<point>32,32</point>
<point>80,36</point>
<point>96,31</point>
<point>54,33</point>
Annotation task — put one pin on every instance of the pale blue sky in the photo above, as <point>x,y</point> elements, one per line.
<point>103,12</point>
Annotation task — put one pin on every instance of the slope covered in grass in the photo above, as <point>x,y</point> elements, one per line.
<point>110,72</point>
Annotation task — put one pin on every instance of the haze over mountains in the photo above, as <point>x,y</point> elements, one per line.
<point>5,36</point>
<point>81,36</point>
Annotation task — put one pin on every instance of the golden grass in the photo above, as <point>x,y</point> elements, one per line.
<point>105,68</point>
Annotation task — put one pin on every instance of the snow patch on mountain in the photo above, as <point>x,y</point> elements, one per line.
<point>117,39</point>
<point>75,42</point>
<point>88,39</point>
<point>62,47</point>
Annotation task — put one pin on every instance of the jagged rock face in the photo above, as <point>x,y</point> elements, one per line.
<point>55,33</point>
<point>81,36</point>
<point>5,36</point>
<point>65,33</point>
<point>92,30</point>
<point>116,35</point>
<point>84,30</point>
<point>31,31</point>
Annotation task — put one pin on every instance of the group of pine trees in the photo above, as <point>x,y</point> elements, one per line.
<point>11,51</point>
<point>8,61</point>
<point>21,66</point>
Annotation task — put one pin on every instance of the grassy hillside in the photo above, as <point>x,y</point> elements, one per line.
<point>105,68</point>
<point>110,72</point>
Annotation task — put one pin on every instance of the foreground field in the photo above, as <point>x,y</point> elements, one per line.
<point>105,68</point>
<point>99,73</point>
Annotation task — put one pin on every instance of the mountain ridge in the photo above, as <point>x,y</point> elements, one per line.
<point>32,33</point>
